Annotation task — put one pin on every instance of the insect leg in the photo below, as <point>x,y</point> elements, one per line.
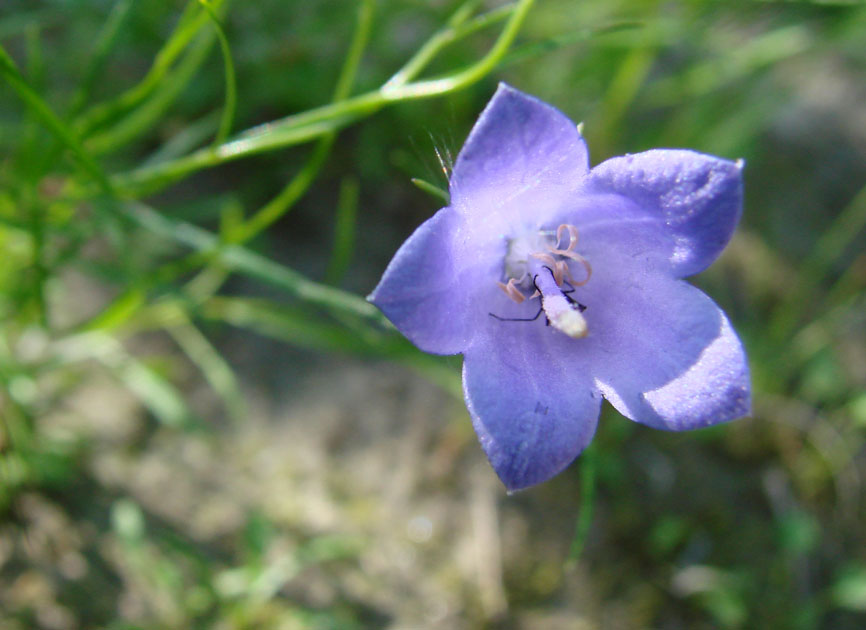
<point>516,319</point>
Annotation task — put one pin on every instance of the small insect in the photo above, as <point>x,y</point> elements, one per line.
<point>574,304</point>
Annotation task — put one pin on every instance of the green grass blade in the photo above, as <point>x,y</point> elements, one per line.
<point>360,38</point>
<point>296,188</point>
<point>322,120</point>
<point>242,260</point>
<point>475,72</point>
<point>51,121</point>
<point>231,97</point>
<point>148,180</point>
<point>832,244</point>
<point>188,26</point>
<point>344,232</point>
<point>432,189</point>
<point>529,50</point>
<point>105,43</point>
<point>307,329</point>
<point>152,389</point>
<point>297,326</point>
<point>456,28</point>
<point>152,110</point>
<point>193,135</point>
<point>213,366</point>
<point>286,199</point>
<point>587,503</point>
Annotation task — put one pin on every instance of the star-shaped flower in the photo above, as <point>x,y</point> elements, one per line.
<point>561,285</point>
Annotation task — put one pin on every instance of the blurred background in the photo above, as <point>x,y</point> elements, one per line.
<point>205,426</point>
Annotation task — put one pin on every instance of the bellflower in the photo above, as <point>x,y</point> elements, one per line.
<point>562,284</point>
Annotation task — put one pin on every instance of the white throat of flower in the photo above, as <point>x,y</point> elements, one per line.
<point>537,267</point>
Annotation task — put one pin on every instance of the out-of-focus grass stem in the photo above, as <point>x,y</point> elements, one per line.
<point>237,258</point>
<point>231,97</point>
<point>212,277</point>
<point>344,231</point>
<point>432,189</point>
<point>323,120</point>
<point>587,502</point>
<point>52,121</point>
<point>150,112</point>
<point>36,215</point>
<point>455,29</point>
<point>189,24</point>
<point>16,424</point>
<point>208,359</point>
<point>827,250</point>
<point>105,43</point>
<point>299,184</point>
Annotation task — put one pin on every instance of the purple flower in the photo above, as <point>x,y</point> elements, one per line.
<point>598,255</point>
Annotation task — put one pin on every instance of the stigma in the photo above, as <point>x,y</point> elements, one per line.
<point>538,266</point>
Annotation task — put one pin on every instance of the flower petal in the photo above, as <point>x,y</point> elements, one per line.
<point>698,197</point>
<point>532,411</point>
<point>426,291</point>
<point>660,350</point>
<point>522,160</point>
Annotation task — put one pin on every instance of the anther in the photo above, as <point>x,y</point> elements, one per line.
<point>512,291</point>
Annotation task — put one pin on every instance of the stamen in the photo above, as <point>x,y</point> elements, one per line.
<point>542,261</point>
<point>512,291</point>
<point>572,233</point>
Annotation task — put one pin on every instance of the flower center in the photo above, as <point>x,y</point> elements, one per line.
<point>536,266</point>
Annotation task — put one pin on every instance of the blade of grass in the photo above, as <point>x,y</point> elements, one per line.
<point>105,43</point>
<point>308,330</point>
<point>39,271</point>
<point>344,231</point>
<point>231,96</point>
<point>20,20</point>
<point>35,59</point>
<point>238,258</point>
<point>191,21</point>
<point>296,188</point>
<point>286,199</point>
<point>185,140</point>
<point>212,365</point>
<point>761,51</point>
<point>51,121</point>
<point>148,180</point>
<point>832,244</point>
<point>31,144</point>
<point>587,503</point>
<point>473,73</point>
<point>294,325</point>
<point>151,111</point>
<point>323,120</point>
<point>154,391</point>
<point>456,28</point>
<point>432,189</point>
<point>551,44</point>
<point>360,39</point>
<point>211,278</point>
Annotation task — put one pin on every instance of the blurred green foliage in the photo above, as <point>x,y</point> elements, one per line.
<point>151,155</point>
